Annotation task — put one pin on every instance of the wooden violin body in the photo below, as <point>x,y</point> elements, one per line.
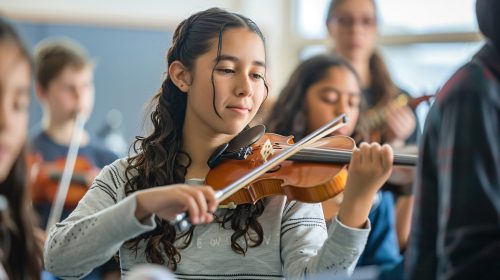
<point>45,177</point>
<point>297,179</point>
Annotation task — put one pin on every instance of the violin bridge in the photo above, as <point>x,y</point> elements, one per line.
<point>266,150</point>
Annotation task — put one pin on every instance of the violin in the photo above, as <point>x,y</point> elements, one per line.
<point>45,178</point>
<point>314,174</point>
<point>311,170</point>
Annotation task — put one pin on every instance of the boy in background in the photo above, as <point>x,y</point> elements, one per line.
<point>65,88</point>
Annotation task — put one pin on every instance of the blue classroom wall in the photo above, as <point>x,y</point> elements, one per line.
<point>130,68</point>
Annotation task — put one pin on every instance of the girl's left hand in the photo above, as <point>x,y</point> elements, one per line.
<point>369,169</point>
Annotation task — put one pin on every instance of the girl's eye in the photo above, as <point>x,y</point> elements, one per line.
<point>225,70</point>
<point>257,76</point>
<point>330,98</point>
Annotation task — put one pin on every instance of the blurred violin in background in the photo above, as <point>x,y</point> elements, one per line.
<point>372,123</point>
<point>45,177</point>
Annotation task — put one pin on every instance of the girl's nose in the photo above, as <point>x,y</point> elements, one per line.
<point>244,87</point>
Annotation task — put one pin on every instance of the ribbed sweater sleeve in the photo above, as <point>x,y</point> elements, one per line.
<point>103,220</point>
<point>304,232</point>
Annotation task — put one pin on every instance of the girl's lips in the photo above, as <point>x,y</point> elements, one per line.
<point>239,110</point>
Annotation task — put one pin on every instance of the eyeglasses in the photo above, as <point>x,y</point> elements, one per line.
<point>349,21</point>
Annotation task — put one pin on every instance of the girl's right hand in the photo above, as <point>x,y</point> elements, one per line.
<point>168,201</point>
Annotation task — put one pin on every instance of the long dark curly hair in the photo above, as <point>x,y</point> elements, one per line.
<point>159,158</point>
<point>289,113</point>
<point>20,255</point>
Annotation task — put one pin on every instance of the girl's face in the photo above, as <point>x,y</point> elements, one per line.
<point>354,29</point>
<point>238,79</point>
<point>338,93</point>
<point>14,102</point>
<point>71,92</point>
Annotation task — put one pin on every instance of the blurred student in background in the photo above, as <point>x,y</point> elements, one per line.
<point>65,88</point>
<point>456,224</point>
<point>353,26</point>
<point>320,89</point>
<point>20,254</point>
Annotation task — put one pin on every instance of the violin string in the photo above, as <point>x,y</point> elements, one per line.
<point>326,155</point>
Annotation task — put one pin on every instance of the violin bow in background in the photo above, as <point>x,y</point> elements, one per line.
<point>62,190</point>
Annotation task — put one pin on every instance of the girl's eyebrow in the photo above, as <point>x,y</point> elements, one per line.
<point>235,59</point>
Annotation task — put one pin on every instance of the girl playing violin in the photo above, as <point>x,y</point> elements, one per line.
<point>214,86</point>
<point>320,89</point>
<point>20,255</point>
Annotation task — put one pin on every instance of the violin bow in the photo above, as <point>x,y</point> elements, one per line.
<point>62,189</point>
<point>181,222</point>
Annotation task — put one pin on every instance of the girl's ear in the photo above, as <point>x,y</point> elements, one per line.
<point>180,75</point>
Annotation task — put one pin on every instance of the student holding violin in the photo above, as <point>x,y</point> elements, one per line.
<point>386,118</point>
<point>353,27</point>
<point>216,58</point>
<point>65,88</point>
<point>320,89</point>
<point>20,250</point>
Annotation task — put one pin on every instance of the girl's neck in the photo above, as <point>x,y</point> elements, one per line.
<point>61,132</point>
<point>199,142</point>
